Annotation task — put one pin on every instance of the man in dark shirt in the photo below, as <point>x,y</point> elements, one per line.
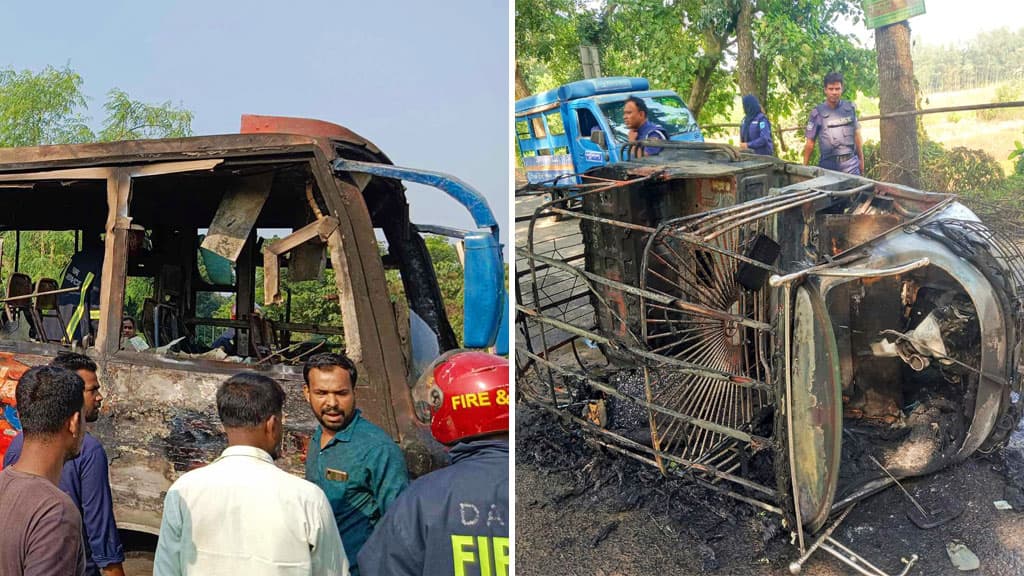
<point>42,529</point>
<point>454,520</point>
<point>634,115</point>
<point>358,465</point>
<point>85,478</point>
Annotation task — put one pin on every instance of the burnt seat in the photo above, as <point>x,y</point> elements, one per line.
<point>47,312</point>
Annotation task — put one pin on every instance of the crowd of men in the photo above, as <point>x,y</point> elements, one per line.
<point>354,513</point>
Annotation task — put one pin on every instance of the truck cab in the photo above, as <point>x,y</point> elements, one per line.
<point>578,126</point>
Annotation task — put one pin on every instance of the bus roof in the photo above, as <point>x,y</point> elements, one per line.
<point>582,89</point>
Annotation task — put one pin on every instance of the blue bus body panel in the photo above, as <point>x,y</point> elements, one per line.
<point>582,89</point>
<point>485,301</point>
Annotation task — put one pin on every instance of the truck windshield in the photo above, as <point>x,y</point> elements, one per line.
<point>669,112</point>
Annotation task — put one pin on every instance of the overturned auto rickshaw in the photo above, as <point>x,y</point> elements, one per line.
<point>793,337</point>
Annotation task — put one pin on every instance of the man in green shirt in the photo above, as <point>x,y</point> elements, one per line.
<point>357,464</point>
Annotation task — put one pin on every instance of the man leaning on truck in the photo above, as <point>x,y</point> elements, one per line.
<point>634,115</point>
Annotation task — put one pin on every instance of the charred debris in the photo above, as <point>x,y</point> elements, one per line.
<point>793,338</point>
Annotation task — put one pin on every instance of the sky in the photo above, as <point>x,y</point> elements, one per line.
<point>956,21</point>
<point>427,82</point>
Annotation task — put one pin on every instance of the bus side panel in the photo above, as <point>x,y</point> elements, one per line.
<point>158,423</point>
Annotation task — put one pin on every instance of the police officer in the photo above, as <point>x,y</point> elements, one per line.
<point>634,116</point>
<point>755,130</point>
<point>834,125</point>
<point>454,520</point>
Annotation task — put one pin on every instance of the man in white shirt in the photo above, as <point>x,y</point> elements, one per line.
<point>241,514</point>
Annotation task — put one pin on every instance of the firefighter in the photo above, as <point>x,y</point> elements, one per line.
<point>454,521</point>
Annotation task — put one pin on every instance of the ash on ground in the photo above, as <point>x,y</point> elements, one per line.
<point>699,523</point>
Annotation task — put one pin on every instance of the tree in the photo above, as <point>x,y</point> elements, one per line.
<point>703,49</point>
<point>129,119</point>
<point>899,153</point>
<point>48,107</point>
<point>42,108</point>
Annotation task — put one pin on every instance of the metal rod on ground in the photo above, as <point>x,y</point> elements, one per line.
<point>797,565</point>
<point>853,560</point>
<point>912,499</point>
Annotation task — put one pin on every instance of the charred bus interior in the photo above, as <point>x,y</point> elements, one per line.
<point>229,260</point>
<point>790,336</point>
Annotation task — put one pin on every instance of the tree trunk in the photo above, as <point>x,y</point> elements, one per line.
<point>899,155</point>
<point>714,47</point>
<point>522,90</point>
<point>746,64</point>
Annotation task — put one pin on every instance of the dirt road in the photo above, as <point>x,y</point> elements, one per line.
<point>583,512</point>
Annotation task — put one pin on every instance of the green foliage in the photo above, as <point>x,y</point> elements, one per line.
<point>958,170</point>
<point>42,108</point>
<point>1006,92</point>
<point>673,42</point>
<point>44,254</point>
<point>48,107</point>
<point>990,57</point>
<point>1018,156</point>
<point>129,119</point>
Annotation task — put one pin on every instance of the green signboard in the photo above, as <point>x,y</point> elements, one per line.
<point>880,13</point>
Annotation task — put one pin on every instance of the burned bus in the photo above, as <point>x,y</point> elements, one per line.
<point>286,200</point>
<point>794,337</point>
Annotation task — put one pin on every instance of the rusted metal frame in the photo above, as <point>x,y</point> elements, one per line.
<point>794,567</point>
<point>697,241</point>
<point>819,194</point>
<point>753,440</point>
<point>704,483</point>
<point>655,441</point>
<point>137,152</point>
<point>832,270</point>
<point>543,208</point>
<point>322,229</point>
<point>712,221</point>
<point>609,221</point>
<point>760,215</point>
<point>679,366</point>
<point>34,294</point>
<point>692,288</point>
<point>575,271</point>
<point>668,300</point>
<point>909,223</point>
<point>726,149</point>
<point>371,331</point>
<point>787,312</point>
<point>688,464</point>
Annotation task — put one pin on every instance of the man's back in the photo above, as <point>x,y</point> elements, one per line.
<point>243,515</point>
<point>42,529</point>
<point>448,522</point>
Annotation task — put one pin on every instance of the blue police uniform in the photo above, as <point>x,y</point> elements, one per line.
<point>650,131</point>
<point>452,521</point>
<point>755,129</point>
<point>834,129</point>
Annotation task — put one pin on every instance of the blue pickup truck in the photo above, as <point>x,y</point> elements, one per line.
<point>579,126</point>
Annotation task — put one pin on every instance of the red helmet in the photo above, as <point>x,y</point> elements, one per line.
<point>470,396</point>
